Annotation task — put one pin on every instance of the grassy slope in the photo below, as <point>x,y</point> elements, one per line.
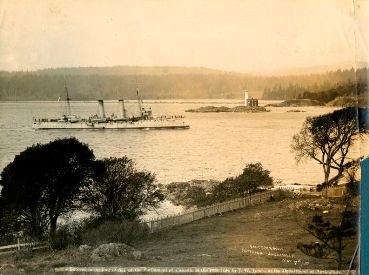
<point>216,241</point>
<point>220,241</point>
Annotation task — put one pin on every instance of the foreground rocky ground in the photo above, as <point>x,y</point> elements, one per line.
<point>258,236</point>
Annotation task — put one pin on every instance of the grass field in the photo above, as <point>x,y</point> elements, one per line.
<point>258,236</point>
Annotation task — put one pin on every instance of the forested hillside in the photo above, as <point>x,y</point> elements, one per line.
<point>349,89</point>
<point>345,83</point>
<point>91,83</point>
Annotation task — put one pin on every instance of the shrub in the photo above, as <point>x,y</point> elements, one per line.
<point>70,234</point>
<point>114,231</point>
<point>283,194</point>
<point>331,237</point>
<point>120,191</point>
<point>22,255</point>
<point>253,179</point>
<point>94,231</point>
<point>187,194</point>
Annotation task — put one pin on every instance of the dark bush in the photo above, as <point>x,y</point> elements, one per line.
<point>120,191</point>
<point>284,194</point>
<point>41,184</point>
<point>70,234</point>
<point>108,231</point>
<point>94,231</point>
<point>253,179</point>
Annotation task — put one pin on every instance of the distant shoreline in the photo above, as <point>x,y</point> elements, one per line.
<point>223,109</point>
<point>152,101</point>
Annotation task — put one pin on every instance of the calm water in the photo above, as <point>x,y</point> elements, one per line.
<point>216,146</point>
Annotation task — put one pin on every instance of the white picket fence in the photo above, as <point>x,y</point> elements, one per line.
<point>219,208</point>
<point>9,249</point>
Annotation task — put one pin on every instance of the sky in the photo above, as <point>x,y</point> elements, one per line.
<point>231,35</point>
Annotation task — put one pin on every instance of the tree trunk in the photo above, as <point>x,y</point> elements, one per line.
<point>339,252</point>
<point>52,235</point>
<point>327,171</point>
<point>326,178</point>
<point>340,260</point>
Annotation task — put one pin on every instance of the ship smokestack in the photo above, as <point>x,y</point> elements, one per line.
<point>122,109</point>
<point>101,108</point>
<point>246,97</point>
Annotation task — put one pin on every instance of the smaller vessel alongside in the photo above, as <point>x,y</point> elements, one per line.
<point>145,119</point>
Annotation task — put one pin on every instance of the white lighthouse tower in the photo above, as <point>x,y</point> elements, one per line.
<point>246,97</point>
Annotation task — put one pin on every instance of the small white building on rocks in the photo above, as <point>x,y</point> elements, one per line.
<point>250,102</point>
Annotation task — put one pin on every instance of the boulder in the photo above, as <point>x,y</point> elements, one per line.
<point>84,248</point>
<point>137,255</point>
<point>111,250</point>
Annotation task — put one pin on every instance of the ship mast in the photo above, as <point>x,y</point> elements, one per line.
<point>139,104</point>
<point>68,99</point>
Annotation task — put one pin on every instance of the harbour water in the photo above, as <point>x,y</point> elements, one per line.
<point>216,146</point>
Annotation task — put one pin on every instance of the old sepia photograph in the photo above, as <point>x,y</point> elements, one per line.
<point>182,136</point>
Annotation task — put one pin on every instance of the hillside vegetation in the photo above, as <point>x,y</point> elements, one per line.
<point>91,83</point>
<point>323,87</point>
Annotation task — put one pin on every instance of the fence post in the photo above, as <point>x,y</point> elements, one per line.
<point>18,244</point>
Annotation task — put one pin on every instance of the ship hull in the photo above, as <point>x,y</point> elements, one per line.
<point>121,125</point>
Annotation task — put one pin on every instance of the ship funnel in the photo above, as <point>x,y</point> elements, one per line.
<point>122,109</point>
<point>101,108</point>
<point>246,97</point>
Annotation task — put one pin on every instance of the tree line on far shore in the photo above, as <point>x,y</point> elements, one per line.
<point>92,83</point>
<point>351,83</point>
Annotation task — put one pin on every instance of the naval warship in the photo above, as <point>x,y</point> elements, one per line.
<point>144,120</point>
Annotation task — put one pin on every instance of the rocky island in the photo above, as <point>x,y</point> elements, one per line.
<point>346,101</point>
<point>238,109</point>
<point>296,103</point>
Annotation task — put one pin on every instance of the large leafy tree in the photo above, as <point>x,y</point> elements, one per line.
<point>44,182</point>
<point>253,177</point>
<point>121,191</point>
<point>327,139</point>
